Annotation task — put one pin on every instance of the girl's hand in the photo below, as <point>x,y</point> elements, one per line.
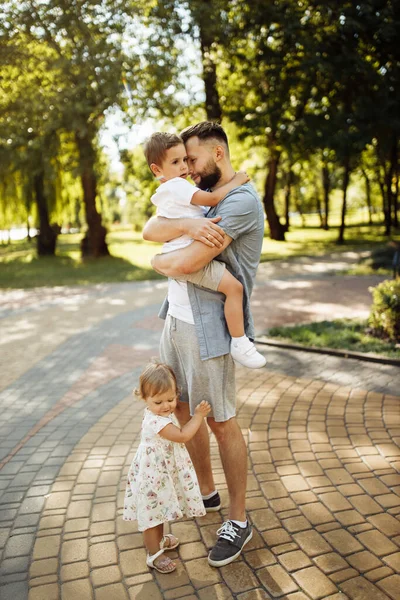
<point>241,177</point>
<point>203,408</point>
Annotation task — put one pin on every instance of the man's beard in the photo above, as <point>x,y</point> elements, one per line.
<point>210,176</point>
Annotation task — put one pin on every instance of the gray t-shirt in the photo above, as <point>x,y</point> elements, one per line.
<point>243,220</point>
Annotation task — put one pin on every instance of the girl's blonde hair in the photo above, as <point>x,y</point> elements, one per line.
<point>156,378</point>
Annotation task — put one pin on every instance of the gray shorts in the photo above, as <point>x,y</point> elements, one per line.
<point>212,380</point>
<point>208,277</point>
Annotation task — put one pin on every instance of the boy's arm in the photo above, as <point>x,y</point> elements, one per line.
<point>206,231</point>
<point>187,260</point>
<point>212,198</point>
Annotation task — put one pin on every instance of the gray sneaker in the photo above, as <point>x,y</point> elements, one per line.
<point>231,541</point>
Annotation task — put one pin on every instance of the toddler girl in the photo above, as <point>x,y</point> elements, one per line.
<point>162,484</point>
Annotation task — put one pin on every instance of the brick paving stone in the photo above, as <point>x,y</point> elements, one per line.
<point>295,524</point>
<point>391,586</point>
<point>378,543</point>
<point>276,580</point>
<point>364,561</point>
<point>349,517</point>
<point>316,513</point>
<point>43,567</point>
<point>343,575</point>
<point>238,577</point>
<point>393,560</point>
<point>45,592</point>
<point>273,490</point>
<point>188,531</point>
<point>312,543</point>
<point>19,545</point>
<point>74,551</point>
<point>105,554</point>
<point>388,500</point>
<point>192,550</point>
<point>46,547</point>
<point>180,592</point>
<point>343,542</point>
<point>115,591</point>
<point>218,592</point>
<point>73,571</point>
<point>314,582</point>
<point>365,505</point>
<point>200,574</point>
<point>329,563</point>
<point>386,524</point>
<point>71,590</point>
<point>264,519</point>
<point>359,588</point>
<point>148,590</point>
<point>377,574</point>
<point>335,501</point>
<point>294,560</point>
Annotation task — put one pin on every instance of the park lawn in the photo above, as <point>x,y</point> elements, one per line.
<point>131,255</point>
<point>339,334</point>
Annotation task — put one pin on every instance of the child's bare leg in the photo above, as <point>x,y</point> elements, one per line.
<point>152,538</point>
<point>242,349</point>
<point>233,290</point>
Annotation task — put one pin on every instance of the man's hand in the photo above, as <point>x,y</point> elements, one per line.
<point>206,231</point>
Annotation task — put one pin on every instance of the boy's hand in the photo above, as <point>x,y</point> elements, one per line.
<point>203,408</point>
<point>241,177</point>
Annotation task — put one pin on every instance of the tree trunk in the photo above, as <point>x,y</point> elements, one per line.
<point>277,231</point>
<point>326,188</point>
<point>213,107</point>
<point>368,195</point>
<point>394,179</point>
<point>318,204</point>
<point>47,237</point>
<point>94,243</point>
<point>288,191</point>
<point>346,178</point>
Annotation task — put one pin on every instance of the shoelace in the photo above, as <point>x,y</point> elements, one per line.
<point>227,531</point>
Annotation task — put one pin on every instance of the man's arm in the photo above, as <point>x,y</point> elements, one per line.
<point>206,231</point>
<point>187,260</point>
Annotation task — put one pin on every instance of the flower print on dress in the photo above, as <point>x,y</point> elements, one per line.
<point>162,484</point>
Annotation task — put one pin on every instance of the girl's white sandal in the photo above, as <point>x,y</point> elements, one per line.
<point>152,557</point>
<point>171,546</point>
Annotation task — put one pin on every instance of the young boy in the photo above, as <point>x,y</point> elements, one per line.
<point>177,198</point>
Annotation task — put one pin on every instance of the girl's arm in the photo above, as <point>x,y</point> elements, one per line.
<point>212,198</point>
<point>174,434</point>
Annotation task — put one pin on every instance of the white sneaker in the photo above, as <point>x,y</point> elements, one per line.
<point>246,354</point>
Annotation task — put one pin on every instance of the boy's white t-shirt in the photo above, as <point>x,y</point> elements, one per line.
<point>173,201</point>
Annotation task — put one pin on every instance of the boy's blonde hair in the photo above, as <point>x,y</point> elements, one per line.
<point>156,146</point>
<point>156,378</point>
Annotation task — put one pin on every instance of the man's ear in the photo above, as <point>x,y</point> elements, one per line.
<point>219,152</point>
<point>155,169</point>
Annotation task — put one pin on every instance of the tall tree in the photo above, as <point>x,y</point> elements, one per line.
<point>95,44</point>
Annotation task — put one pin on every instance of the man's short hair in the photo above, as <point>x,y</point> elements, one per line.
<point>206,130</point>
<point>156,146</point>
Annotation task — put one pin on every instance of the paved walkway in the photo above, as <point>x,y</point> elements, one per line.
<point>323,437</point>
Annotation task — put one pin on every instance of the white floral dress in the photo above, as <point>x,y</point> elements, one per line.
<point>162,484</point>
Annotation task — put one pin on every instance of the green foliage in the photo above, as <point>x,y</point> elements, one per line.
<point>385,311</point>
<point>340,334</point>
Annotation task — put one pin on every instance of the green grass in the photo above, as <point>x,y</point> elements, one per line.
<point>313,241</point>
<point>343,334</point>
<point>130,256</point>
<point>129,261</point>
